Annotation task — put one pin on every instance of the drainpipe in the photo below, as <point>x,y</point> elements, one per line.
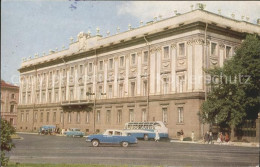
<point>148,77</point>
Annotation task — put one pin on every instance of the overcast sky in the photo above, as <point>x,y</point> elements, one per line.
<point>29,27</point>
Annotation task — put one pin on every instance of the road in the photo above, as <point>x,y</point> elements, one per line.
<point>57,149</point>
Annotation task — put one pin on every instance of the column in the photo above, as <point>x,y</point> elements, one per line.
<point>105,76</point>
<point>21,90</point>
<point>221,54</point>
<point>26,90</point>
<point>126,75</point>
<point>85,78</point>
<point>60,82</point>
<point>173,70</point>
<point>158,71</point>
<point>40,90</point>
<point>94,77</point>
<point>139,71</point>
<point>189,63</point>
<point>198,64</point>
<point>115,77</point>
<point>53,85</point>
<point>67,83</point>
<point>76,83</point>
<point>152,71</point>
<point>47,86</point>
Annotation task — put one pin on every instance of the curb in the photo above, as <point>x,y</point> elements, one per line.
<point>224,144</point>
<point>27,133</point>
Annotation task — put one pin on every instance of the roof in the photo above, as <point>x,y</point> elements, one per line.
<point>7,85</point>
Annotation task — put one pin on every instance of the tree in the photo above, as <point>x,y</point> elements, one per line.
<point>235,87</point>
<point>6,142</point>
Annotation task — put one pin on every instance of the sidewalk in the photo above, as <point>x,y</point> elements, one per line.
<point>243,144</point>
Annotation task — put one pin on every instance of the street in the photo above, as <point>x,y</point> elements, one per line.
<point>57,149</point>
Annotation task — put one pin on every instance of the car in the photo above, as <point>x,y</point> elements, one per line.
<point>111,136</point>
<point>47,129</point>
<point>73,132</point>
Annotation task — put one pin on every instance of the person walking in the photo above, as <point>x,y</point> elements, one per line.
<point>226,137</point>
<point>181,135</point>
<point>220,139</point>
<point>206,137</point>
<point>210,138</point>
<point>157,136</point>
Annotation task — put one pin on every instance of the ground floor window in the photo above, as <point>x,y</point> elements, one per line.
<point>180,114</point>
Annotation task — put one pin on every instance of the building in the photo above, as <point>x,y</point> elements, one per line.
<point>9,102</point>
<point>150,73</point>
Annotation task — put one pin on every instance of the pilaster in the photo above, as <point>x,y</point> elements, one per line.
<point>158,70</point>
<point>139,68</point>
<point>115,77</point>
<point>152,71</point>
<point>190,65</point>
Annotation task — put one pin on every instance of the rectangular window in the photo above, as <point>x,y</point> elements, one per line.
<point>165,85</point>
<point>38,98</point>
<point>89,92</point>
<point>108,116</point>
<point>131,115</point>
<point>13,96</point>
<point>78,117</point>
<point>61,117</point>
<point>181,83</point>
<point>81,94</point>
<point>144,116</point>
<point>90,67</point>
<point>69,117</point>
<point>164,115</point>
<point>43,97</point>
<point>110,63</point>
<point>228,51</point>
<point>56,96</point>
<point>54,117</point>
<point>180,114</point>
<point>166,52</point>
<point>71,94</point>
<point>132,88</point>
<point>119,116</point>
<point>182,49</point>
<point>98,116</point>
<point>11,108</point>
<point>87,117</point>
<point>145,59</point>
<point>101,65</point>
<point>122,61</point>
<point>81,69</point>
<point>47,117</point>
<point>121,90</point>
<point>49,97</point>
<point>110,91</point>
<point>27,117</point>
<point>145,88</point>
<point>213,48</point>
<point>63,95</point>
<point>22,117</point>
<point>72,71</point>
<point>41,119</point>
<point>99,92</point>
<point>36,117</point>
<point>133,59</point>
<point>29,98</point>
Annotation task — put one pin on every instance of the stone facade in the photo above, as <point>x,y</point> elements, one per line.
<point>151,73</point>
<point>9,102</point>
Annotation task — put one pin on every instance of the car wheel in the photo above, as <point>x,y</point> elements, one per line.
<point>125,144</point>
<point>95,143</point>
<point>146,137</point>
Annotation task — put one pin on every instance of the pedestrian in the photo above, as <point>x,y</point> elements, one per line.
<point>206,137</point>
<point>210,138</point>
<point>157,136</point>
<point>181,135</point>
<point>219,140</point>
<point>192,135</point>
<point>226,137</point>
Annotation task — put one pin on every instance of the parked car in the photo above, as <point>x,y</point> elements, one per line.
<point>47,129</point>
<point>111,136</point>
<point>73,132</point>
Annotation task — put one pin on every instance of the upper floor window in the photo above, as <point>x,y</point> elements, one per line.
<point>228,51</point>
<point>181,83</point>
<point>71,70</point>
<point>133,57</point>
<point>166,52</point>
<point>81,69</point>
<point>213,48</point>
<point>121,90</point>
<point>110,91</point>
<point>122,61</point>
<point>90,67</point>
<point>13,96</point>
<point>100,65</point>
<point>145,58</point>
<point>144,88</point>
<point>182,49</point>
<point>110,64</point>
<point>81,93</point>
<point>132,88</point>
<point>165,85</point>
<point>11,108</point>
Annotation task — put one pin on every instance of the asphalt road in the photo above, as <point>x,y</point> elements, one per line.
<point>57,149</point>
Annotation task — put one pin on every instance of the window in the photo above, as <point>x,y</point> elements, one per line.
<point>61,117</point>
<point>11,108</point>
<point>181,83</point>
<point>36,117</point>
<point>213,48</point>
<point>90,67</point>
<point>38,98</point>
<point>144,116</point>
<point>110,63</point>
<point>145,88</point>
<point>22,117</point>
<point>182,49</point>
<point>164,115</point>
<point>87,117</point>
<point>63,95</point>
<point>72,71</point>
<point>99,92</point>
<point>23,98</point>
<point>54,117</point>
<point>108,116</point>
<point>81,71</point>
<point>101,65</point>
<point>132,88</point>
<point>81,94</point>
<point>71,94</point>
<point>11,121</point>
<point>228,51</point>
<point>56,97</point>
<point>47,117</point>
<point>69,117</point>
<point>49,97</point>
<point>119,116</point>
<point>165,85</point>
<point>27,117</point>
<point>110,91</point>
<point>121,90</point>
<point>98,116</point>
<point>12,96</point>
<point>43,97</point>
<point>41,119</point>
<point>131,115</point>
<point>166,52</point>
<point>133,59</point>
<point>145,59</point>
<point>29,98</point>
<point>89,91</point>
<point>180,114</point>
<point>78,117</point>
<point>122,61</point>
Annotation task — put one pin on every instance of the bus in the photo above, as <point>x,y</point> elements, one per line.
<point>146,130</point>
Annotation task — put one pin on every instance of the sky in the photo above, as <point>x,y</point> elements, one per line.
<point>29,27</point>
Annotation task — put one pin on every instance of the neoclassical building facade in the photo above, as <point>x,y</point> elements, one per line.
<point>150,73</point>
